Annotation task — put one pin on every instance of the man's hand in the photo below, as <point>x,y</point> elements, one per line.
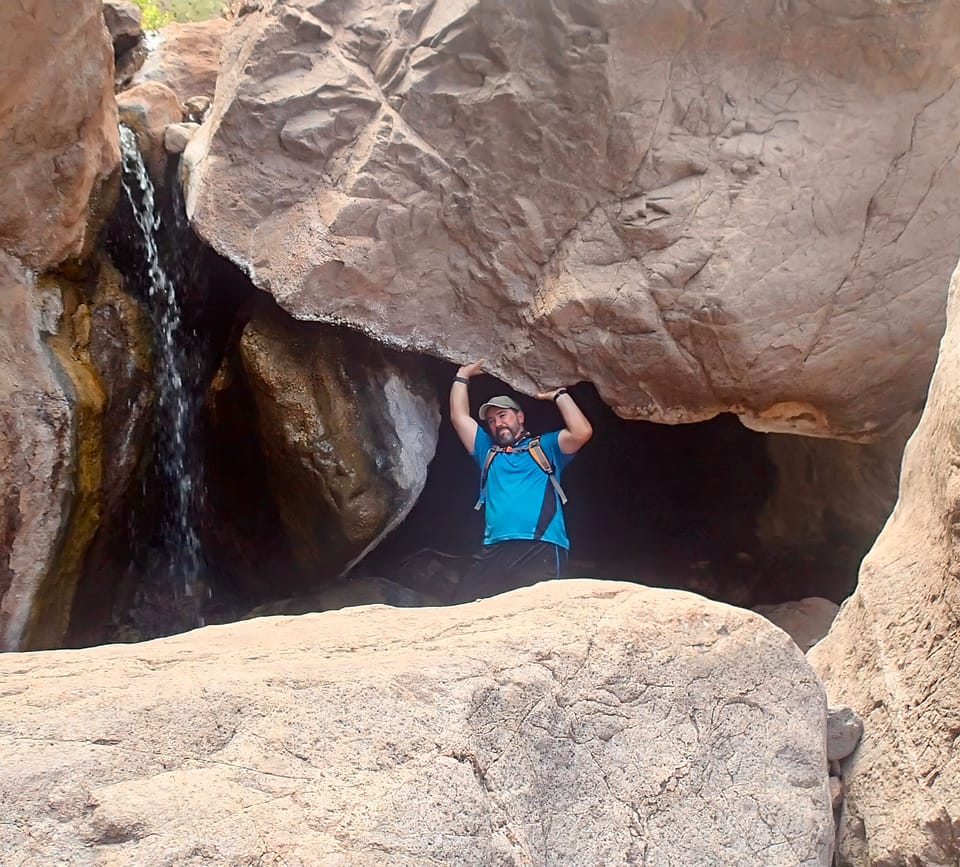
<point>576,429</point>
<point>548,395</point>
<point>473,369</point>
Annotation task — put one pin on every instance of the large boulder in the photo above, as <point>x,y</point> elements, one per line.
<point>58,139</point>
<point>345,431</point>
<point>748,207</point>
<point>892,653</point>
<point>186,57</point>
<point>124,23</point>
<point>576,722</point>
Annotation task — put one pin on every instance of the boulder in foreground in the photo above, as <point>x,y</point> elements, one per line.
<point>578,722</point>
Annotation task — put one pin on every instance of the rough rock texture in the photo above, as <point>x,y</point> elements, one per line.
<point>187,57</point>
<point>698,207</point>
<point>58,137</point>
<point>36,446</point>
<point>893,653</point>
<point>573,723</point>
<point>176,136</point>
<point>345,431</point>
<point>123,20</point>
<point>844,730</point>
<point>58,145</point>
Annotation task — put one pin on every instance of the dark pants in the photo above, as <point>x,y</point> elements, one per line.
<point>511,564</point>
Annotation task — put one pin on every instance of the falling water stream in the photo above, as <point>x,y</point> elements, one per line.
<point>178,468</point>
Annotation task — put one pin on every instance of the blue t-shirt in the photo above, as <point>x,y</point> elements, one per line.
<point>520,501</point>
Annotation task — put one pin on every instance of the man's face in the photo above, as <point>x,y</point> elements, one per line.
<point>504,425</point>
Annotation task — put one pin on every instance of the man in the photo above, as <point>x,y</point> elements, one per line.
<point>525,539</point>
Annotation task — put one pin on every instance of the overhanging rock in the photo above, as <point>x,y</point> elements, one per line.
<point>748,207</point>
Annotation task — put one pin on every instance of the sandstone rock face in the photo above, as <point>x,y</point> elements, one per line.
<point>102,348</point>
<point>36,447</point>
<point>585,723</point>
<point>831,491</point>
<point>123,20</point>
<point>346,435</point>
<point>176,136</point>
<point>58,140</point>
<point>725,206</point>
<point>187,57</point>
<point>892,653</point>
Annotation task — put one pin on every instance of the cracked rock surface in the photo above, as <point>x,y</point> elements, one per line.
<point>577,722</point>
<point>725,206</point>
<point>893,653</point>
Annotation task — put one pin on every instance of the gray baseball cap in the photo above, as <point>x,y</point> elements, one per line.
<point>501,402</point>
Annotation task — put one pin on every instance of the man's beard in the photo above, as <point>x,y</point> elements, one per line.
<point>505,436</point>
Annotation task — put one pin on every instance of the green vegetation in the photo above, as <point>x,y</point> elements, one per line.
<point>156,13</point>
<point>152,17</point>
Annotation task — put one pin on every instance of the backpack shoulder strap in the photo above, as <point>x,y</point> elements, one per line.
<point>540,456</point>
<point>492,452</point>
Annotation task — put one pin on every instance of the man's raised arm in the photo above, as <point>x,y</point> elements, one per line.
<point>577,429</point>
<point>460,417</point>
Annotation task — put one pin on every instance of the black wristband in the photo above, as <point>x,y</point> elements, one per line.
<point>559,392</point>
<point>462,379</point>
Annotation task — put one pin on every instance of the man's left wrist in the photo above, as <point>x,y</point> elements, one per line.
<point>559,393</point>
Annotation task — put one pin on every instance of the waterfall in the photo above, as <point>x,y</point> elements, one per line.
<point>177,458</point>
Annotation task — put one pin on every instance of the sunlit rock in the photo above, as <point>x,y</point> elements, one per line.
<point>124,23</point>
<point>733,206</point>
<point>892,654</point>
<point>588,723</point>
<point>58,148</point>
<point>806,621</point>
<point>177,135</point>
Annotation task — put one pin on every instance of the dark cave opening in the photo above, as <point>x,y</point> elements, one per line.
<point>708,507</point>
<point>673,506</point>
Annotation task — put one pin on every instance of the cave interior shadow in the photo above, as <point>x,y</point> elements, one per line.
<point>671,506</point>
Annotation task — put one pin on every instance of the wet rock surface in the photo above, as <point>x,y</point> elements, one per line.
<point>58,148</point>
<point>320,445</point>
<point>36,447</point>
